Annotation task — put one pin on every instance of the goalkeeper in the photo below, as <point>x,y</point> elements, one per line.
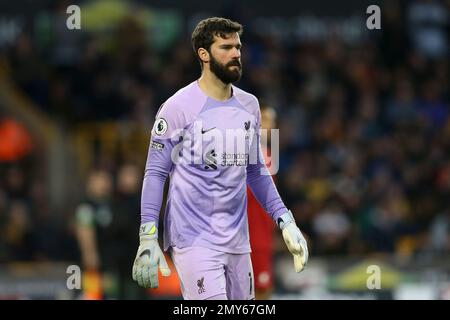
<point>205,223</point>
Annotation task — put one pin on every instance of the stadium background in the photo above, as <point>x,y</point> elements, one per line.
<point>364,137</point>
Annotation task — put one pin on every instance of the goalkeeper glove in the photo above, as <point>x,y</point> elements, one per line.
<point>149,256</point>
<point>294,239</point>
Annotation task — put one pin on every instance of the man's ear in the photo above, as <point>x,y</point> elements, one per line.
<point>203,54</point>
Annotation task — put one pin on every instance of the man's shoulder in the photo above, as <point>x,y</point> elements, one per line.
<point>247,99</point>
<point>184,97</point>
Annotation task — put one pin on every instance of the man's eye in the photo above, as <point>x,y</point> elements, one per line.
<point>231,47</point>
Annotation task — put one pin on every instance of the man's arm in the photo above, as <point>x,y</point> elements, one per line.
<point>157,169</point>
<point>261,183</point>
<point>159,164</point>
<point>167,129</point>
<point>263,187</point>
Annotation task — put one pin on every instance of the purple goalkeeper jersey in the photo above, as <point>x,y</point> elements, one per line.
<point>210,149</point>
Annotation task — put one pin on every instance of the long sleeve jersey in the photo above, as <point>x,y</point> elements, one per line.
<point>211,151</point>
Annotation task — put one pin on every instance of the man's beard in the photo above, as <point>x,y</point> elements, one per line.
<point>223,73</point>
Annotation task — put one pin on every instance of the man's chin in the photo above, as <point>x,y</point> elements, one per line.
<point>235,79</point>
<point>231,77</point>
<point>237,74</point>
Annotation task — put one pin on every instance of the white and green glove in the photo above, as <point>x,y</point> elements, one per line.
<point>149,257</point>
<point>294,239</point>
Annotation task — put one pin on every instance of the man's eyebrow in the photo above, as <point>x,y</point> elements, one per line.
<point>239,45</point>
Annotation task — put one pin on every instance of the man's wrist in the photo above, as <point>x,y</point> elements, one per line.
<point>148,231</point>
<point>285,219</point>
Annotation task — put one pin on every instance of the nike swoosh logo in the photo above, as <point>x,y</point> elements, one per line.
<point>146,251</point>
<point>204,131</point>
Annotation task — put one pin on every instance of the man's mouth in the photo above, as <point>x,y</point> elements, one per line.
<point>235,65</point>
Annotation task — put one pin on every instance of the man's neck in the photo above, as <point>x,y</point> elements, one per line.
<point>214,87</point>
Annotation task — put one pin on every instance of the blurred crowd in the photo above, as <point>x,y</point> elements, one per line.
<point>364,132</point>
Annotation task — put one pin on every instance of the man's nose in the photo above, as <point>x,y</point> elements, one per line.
<point>236,53</point>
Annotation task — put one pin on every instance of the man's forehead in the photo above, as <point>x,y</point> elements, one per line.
<point>230,38</point>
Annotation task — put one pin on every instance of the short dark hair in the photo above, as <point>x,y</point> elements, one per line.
<point>204,32</point>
